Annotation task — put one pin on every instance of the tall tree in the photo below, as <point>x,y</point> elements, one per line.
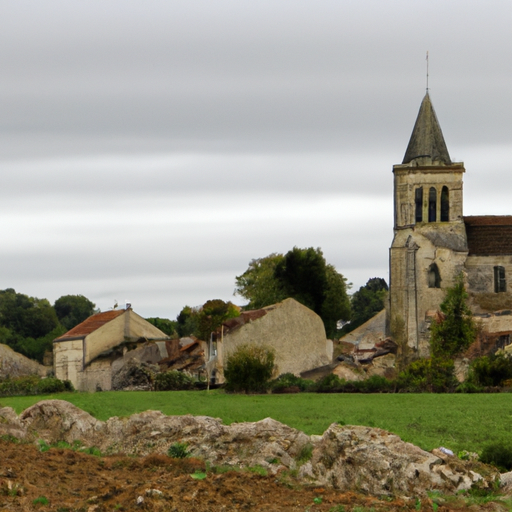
<point>27,324</point>
<point>258,284</point>
<point>367,302</point>
<point>302,274</point>
<point>73,309</point>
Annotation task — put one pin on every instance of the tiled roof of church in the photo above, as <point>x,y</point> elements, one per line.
<point>91,324</point>
<point>427,138</point>
<point>489,235</point>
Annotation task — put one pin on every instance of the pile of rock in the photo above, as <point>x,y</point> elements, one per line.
<point>357,458</point>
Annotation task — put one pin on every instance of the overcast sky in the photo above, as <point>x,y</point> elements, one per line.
<point>150,149</point>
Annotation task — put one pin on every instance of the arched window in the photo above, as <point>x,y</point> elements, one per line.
<point>432,205</point>
<point>434,278</point>
<point>500,283</point>
<point>445,205</point>
<point>418,199</point>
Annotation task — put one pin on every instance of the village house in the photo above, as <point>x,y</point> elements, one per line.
<point>293,331</point>
<point>89,354</point>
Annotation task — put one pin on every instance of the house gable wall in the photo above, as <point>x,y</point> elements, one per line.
<point>296,333</point>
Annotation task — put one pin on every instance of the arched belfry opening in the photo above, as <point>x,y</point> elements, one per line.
<point>432,205</point>
<point>445,204</point>
<point>418,199</point>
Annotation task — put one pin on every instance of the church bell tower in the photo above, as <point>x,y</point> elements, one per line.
<point>429,244</point>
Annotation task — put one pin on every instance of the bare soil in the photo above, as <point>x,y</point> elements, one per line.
<point>64,480</point>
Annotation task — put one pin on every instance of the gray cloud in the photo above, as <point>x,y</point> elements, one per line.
<point>149,150</point>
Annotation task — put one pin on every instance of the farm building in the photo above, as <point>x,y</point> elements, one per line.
<point>89,354</point>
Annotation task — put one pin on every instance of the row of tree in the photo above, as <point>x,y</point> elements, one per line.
<point>29,325</point>
<point>302,274</point>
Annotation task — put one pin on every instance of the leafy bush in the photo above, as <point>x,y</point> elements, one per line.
<point>249,368</point>
<point>433,375</point>
<point>33,385</point>
<point>289,380</point>
<point>457,330</point>
<point>173,381</point>
<point>499,454</point>
<point>491,370</point>
<point>329,384</point>
<point>374,384</point>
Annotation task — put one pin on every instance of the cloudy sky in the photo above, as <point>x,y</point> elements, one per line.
<point>149,149</point>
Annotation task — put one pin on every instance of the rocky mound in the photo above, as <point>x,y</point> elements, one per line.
<point>15,365</point>
<point>363,459</point>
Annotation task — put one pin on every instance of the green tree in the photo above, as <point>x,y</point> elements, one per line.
<point>302,274</point>
<point>211,316</point>
<point>367,302</point>
<point>206,319</point>
<point>167,326</point>
<point>73,309</point>
<point>187,321</point>
<point>258,284</point>
<point>27,323</point>
<point>455,331</point>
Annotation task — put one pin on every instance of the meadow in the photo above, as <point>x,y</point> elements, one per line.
<point>456,421</point>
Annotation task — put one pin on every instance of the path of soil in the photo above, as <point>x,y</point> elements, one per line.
<point>63,480</point>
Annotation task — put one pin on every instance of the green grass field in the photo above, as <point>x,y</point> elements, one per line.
<point>456,421</point>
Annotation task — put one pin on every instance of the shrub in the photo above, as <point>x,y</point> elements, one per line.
<point>329,384</point>
<point>375,384</point>
<point>178,450</point>
<point>289,380</point>
<point>433,375</point>
<point>33,385</point>
<point>491,370</point>
<point>457,330</point>
<point>249,368</point>
<point>499,454</point>
<point>173,381</point>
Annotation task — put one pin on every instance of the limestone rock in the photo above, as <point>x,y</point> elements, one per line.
<point>349,372</point>
<point>383,366</point>
<point>376,462</point>
<point>365,459</point>
<point>15,365</point>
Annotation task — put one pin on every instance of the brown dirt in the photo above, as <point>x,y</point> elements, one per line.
<point>63,480</point>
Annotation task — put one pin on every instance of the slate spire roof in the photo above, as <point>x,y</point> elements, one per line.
<point>427,139</point>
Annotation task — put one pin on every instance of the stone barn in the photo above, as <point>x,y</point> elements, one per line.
<point>87,354</point>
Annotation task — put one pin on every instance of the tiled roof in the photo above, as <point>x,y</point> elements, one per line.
<point>489,235</point>
<point>91,324</point>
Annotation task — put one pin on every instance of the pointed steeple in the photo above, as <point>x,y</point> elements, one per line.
<point>427,143</point>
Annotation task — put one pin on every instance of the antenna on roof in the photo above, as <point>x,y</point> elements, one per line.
<point>427,70</point>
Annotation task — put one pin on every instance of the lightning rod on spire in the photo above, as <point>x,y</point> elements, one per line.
<point>427,71</point>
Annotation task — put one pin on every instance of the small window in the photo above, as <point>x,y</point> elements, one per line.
<point>500,283</point>
<point>418,199</point>
<point>434,278</point>
<point>432,205</point>
<point>445,205</point>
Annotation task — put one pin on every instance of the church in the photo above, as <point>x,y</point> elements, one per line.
<point>434,242</point>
